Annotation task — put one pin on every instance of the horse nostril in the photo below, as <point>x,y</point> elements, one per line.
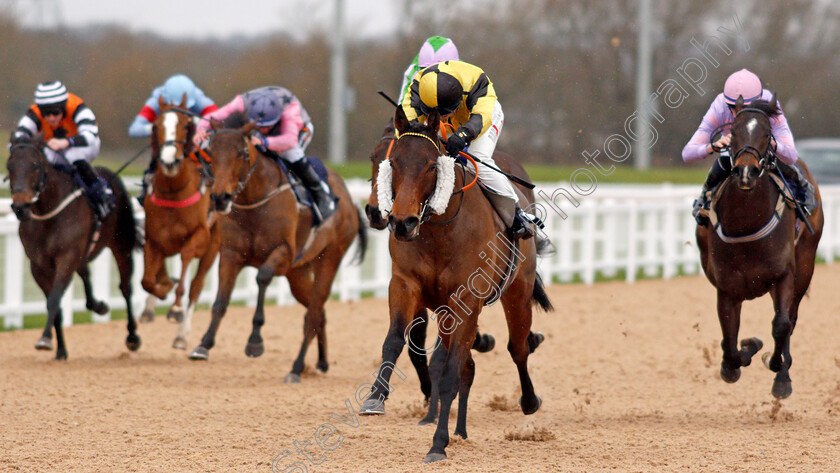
<point>411,223</point>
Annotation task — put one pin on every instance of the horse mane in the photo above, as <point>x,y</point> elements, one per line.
<point>417,127</point>
<point>236,120</point>
<point>771,108</point>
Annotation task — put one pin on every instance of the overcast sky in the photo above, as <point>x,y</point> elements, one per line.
<point>201,19</point>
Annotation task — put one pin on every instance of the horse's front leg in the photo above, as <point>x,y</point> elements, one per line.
<point>278,262</point>
<point>155,279</point>
<point>231,262</point>
<point>61,279</point>
<point>197,245</point>
<point>404,302</point>
<point>729,314</point>
<point>780,361</point>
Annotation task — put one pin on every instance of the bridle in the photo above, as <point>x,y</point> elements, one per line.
<point>42,171</point>
<point>242,154</point>
<point>768,157</point>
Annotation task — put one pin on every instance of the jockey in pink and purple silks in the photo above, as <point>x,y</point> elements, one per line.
<point>744,84</point>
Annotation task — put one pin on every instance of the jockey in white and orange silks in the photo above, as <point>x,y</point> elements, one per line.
<point>744,84</point>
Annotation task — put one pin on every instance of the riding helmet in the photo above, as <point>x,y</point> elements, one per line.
<point>439,91</point>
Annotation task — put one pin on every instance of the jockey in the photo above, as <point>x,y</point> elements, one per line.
<point>466,100</point>
<point>284,130</point>
<point>434,50</point>
<point>173,92</point>
<point>747,85</point>
<point>71,135</point>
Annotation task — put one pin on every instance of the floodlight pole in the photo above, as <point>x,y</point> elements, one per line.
<point>641,150</point>
<point>338,89</point>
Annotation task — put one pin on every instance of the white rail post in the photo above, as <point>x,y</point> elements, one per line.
<point>13,279</point>
<point>67,304</point>
<point>632,237</point>
<point>101,283</point>
<point>589,242</point>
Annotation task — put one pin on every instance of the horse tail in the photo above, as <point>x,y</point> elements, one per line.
<point>540,298</point>
<point>363,237</point>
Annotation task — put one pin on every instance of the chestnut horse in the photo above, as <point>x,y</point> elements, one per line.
<point>57,231</point>
<point>267,229</point>
<point>753,246</point>
<point>178,219</point>
<point>435,259</point>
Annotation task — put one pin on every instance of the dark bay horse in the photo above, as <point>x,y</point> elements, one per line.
<point>753,246</point>
<point>56,229</point>
<point>178,218</point>
<point>450,263</point>
<point>267,229</point>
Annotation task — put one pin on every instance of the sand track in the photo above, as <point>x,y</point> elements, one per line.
<point>628,376</point>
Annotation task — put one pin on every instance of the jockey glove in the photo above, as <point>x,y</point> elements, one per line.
<point>264,146</point>
<point>456,143</point>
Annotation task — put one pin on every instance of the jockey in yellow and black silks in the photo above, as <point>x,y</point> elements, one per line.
<point>465,99</point>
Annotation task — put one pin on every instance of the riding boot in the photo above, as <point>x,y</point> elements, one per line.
<point>717,173</point>
<point>524,224</point>
<point>99,195</point>
<point>324,200</point>
<point>806,193</point>
<point>148,174</point>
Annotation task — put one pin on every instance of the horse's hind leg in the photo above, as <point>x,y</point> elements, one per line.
<point>522,342</point>
<point>196,285</point>
<point>435,371</point>
<point>467,376</point>
<point>91,303</point>
<point>325,271</point>
<point>148,314</point>
<point>230,264</point>
<point>729,314</point>
<point>125,265</point>
<point>780,361</point>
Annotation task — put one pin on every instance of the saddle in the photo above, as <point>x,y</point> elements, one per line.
<point>302,193</point>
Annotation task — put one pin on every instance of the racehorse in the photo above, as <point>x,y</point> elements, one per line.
<point>435,259</point>
<point>57,230</point>
<point>178,218</point>
<point>483,342</point>
<point>753,246</point>
<point>266,228</point>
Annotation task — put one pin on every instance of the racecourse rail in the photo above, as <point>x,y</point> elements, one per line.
<point>618,231</point>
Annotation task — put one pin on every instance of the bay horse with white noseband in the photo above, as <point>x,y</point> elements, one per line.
<point>753,246</point>
<point>451,263</point>
<point>266,228</point>
<point>57,232</point>
<point>178,218</point>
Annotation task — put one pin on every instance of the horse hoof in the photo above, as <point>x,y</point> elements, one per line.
<point>132,342</point>
<point>534,340</point>
<point>462,434</point>
<point>434,457</point>
<point>179,343</point>
<point>752,345</point>
<point>322,366</point>
<point>487,343</point>
<point>292,378</point>
<point>61,356</point>
<point>44,343</point>
<point>147,317</point>
<point>730,376</point>
<point>254,350</point>
<point>528,410</point>
<point>426,421</point>
<point>373,407</point>
<point>175,316</point>
<point>200,353</point>
<point>99,307</point>
<point>782,389</point>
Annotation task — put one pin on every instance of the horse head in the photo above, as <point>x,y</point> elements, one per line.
<point>414,171</point>
<point>172,136</point>
<point>234,159</point>
<point>751,145</point>
<point>380,153</point>
<point>27,167</point>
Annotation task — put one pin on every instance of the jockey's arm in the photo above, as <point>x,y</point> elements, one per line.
<point>698,147</point>
<point>785,147</point>
<point>290,125</point>
<point>201,132</point>
<point>86,124</point>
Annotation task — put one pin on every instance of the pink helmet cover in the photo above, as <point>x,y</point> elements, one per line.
<point>742,83</point>
<point>436,49</point>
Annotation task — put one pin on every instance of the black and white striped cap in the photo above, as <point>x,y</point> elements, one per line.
<point>50,93</point>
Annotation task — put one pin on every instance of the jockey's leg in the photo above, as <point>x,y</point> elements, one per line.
<point>717,173</point>
<point>519,223</point>
<point>100,196</point>
<point>148,174</point>
<point>301,166</point>
<point>806,192</point>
